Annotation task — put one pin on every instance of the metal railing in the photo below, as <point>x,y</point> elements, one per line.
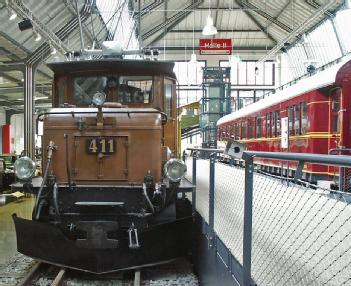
<point>278,233</point>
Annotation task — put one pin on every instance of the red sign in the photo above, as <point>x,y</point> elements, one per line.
<point>215,46</point>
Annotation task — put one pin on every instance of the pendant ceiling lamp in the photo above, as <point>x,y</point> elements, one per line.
<point>209,29</point>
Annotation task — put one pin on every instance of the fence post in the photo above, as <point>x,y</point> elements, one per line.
<point>341,179</point>
<point>193,194</point>
<point>247,237</point>
<point>211,197</point>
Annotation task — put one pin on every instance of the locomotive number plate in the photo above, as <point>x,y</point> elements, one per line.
<point>102,145</point>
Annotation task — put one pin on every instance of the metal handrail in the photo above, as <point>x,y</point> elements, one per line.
<point>339,150</point>
<point>209,150</point>
<point>323,159</point>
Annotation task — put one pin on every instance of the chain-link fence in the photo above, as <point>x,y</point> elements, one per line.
<point>286,232</point>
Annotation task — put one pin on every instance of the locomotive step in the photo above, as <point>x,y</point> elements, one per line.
<point>108,204</point>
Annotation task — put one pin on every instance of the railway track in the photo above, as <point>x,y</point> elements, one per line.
<point>31,273</point>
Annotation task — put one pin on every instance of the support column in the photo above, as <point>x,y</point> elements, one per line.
<point>29,88</point>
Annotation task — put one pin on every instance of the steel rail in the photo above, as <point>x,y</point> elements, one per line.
<point>29,276</point>
<point>59,277</point>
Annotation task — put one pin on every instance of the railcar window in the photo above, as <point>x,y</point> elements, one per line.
<point>304,118</point>
<point>296,120</point>
<point>243,129</point>
<point>335,111</point>
<point>236,131</point>
<point>277,119</point>
<point>250,129</point>
<point>168,99</point>
<point>258,127</point>
<point>231,131</point>
<point>291,119</point>
<point>273,123</point>
<point>268,125</point>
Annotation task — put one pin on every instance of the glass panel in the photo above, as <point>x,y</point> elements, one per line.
<point>236,130</point>
<point>273,123</point>
<point>277,118</point>
<point>86,87</point>
<point>291,119</point>
<point>336,110</point>
<point>168,99</point>
<point>342,21</point>
<point>268,125</point>
<point>296,120</point>
<point>258,127</point>
<point>134,89</point>
<point>304,118</point>
<point>268,73</point>
<point>250,129</point>
<point>243,129</point>
<point>242,73</point>
<point>251,76</point>
<point>259,74</point>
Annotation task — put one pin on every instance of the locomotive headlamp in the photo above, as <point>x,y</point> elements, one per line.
<point>24,168</point>
<point>99,98</point>
<point>175,170</point>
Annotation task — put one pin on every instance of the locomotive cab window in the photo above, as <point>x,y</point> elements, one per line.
<point>168,99</point>
<point>86,87</point>
<point>122,89</point>
<point>133,89</point>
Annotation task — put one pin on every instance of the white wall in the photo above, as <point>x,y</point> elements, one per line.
<point>2,116</point>
<point>17,122</point>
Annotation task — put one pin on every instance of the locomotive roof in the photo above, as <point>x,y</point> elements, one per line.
<point>319,80</point>
<point>145,67</point>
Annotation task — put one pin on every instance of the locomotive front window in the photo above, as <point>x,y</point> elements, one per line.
<point>122,89</point>
<point>133,89</point>
<point>86,87</point>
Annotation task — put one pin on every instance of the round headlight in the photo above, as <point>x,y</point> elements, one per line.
<point>175,170</point>
<point>24,168</point>
<point>99,98</point>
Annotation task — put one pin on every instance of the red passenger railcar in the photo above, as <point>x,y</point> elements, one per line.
<point>318,109</point>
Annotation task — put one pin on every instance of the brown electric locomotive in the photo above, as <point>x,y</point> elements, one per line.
<point>112,191</point>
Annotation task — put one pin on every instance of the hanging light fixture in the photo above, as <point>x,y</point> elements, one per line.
<point>209,29</point>
<point>12,14</point>
<point>37,36</point>
<point>53,51</point>
<point>193,55</point>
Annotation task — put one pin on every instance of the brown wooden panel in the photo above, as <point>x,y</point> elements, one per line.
<point>89,167</point>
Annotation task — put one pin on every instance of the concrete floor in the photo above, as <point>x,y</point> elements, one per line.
<point>22,208</point>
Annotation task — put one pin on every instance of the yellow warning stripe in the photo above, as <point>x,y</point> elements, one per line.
<point>310,135</point>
